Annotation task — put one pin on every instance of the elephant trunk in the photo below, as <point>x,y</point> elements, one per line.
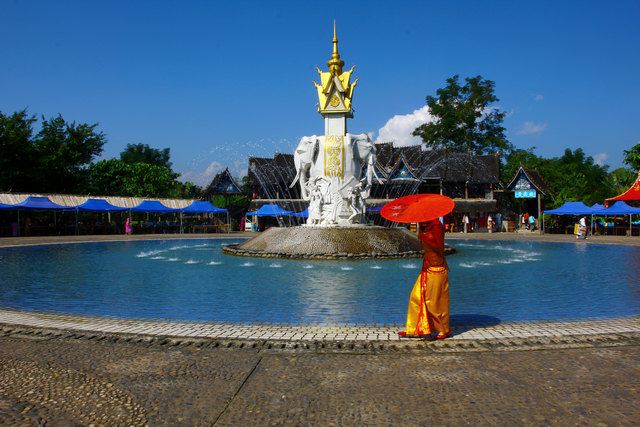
<point>295,180</point>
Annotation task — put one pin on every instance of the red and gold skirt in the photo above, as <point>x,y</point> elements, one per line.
<point>429,303</point>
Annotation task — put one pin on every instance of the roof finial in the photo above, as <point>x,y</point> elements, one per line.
<point>335,63</point>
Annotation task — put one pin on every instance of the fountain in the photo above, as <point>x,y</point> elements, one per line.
<point>335,173</point>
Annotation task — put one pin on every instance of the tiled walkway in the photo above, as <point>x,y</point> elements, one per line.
<point>310,333</point>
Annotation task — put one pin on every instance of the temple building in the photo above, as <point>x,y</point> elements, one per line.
<point>469,179</point>
<point>408,170</point>
<point>222,184</point>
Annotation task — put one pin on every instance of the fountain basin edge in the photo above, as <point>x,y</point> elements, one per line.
<point>331,243</point>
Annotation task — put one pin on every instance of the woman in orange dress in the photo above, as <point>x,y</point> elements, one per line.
<point>429,301</point>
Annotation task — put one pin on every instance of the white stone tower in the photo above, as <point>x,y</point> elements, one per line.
<point>335,171</point>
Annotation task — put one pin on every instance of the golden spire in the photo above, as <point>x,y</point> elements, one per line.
<point>335,63</point>
<point>335,90</point>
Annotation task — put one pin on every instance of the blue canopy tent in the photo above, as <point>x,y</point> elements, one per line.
<point>38,203</point>
<point>619,208</point>
<point>571,208</point>
<point>301,214</point>
<point>203,206</point>
<point>99,205</point>
<point>3,206</point>
<point>153,206</point>
<point>270,210</point>
<point>374,209</point>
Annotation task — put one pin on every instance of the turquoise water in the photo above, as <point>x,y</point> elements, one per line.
<point>194,280</point>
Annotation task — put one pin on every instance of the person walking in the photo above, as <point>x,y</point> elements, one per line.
<point>428,310</point>
<point>490,224</point>
<point>128,229</point>
<point>582,228</point>
<point>465,223</point>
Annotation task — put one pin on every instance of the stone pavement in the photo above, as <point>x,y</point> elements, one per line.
<point>66,379</point>
<point>310,332</point>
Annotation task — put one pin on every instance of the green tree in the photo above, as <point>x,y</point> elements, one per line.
<point>519,157</point>
<point>465,121</point>
<point>189,190</point>
<point>116,178</point>
<point>632,157</point>
<point>142,153</point>
<point>17,154</point>
<point>53,161</point>
<point>236,204</point>
<point>620,180</point>
<point>577,177</point>
<point>64,150</point>
<point>108,178</point>
<point>572,177</point>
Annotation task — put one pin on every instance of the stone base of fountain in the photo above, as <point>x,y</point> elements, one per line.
<point>342,242</point>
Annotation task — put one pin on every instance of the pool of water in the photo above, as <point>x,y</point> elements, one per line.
<point>193,280</point>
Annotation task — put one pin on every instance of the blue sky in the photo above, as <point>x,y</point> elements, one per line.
<point>219,81</point>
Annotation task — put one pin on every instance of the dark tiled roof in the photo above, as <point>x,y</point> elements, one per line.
<point>536,179</point>
<point>271,177</point>
<point>222,183</point>
<point>450,167</point>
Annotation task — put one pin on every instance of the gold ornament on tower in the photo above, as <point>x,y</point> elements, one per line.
<point>335,90</point>
<point>334,156</point>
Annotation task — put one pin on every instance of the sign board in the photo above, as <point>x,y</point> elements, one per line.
<point>526,194</point>
<point>523,188</point>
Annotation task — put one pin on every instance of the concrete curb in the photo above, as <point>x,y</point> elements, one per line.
<point>312,333</point>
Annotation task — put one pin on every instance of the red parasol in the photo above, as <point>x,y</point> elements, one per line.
<point>417,208</point>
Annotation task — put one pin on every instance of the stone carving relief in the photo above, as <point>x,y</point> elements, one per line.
<point>335,175</point>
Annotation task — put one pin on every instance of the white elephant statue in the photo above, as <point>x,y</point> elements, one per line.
<point>304,157</point>
<point>364,153</point>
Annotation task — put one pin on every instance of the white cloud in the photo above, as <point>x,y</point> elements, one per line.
<point>537,97</point>
<point>399,128</point>
<point>239,168</point>
<point>204,177</point>
<point>532,128</point>
<point>212,169</point>
<point>600,159</point>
